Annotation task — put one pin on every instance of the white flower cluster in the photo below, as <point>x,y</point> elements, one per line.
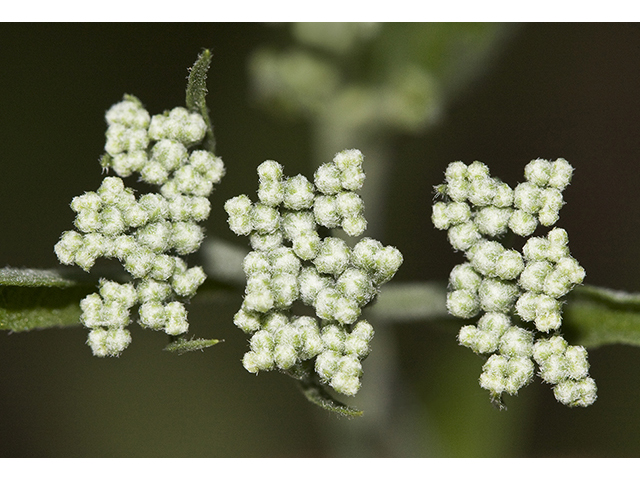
<point>290,261</point>
<point>567,368</point>
<point>499,282</point>
<point>146,234</point>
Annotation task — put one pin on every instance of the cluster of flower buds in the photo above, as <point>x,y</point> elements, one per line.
<point>290,262</point>
<point>566,367</point>
<point>498,283</point>
<point>146,234</point>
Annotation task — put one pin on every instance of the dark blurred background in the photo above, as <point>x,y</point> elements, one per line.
<point>544,90</point>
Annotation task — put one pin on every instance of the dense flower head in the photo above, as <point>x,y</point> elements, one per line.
<point>147,234</point>
<point>510,288</point>
<point>290,262</point>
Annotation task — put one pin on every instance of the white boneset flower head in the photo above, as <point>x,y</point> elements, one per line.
<point>440,216</point>
<point>152,315</point>
<point>346,379</point>
<point>185,284</point>
<point>538,172</point>
<point>354,225</point>
<point>387,262</point>
<point>503,197</point>
<point>153,291</point>
<point>248,322</point>
<point>108,342</point>
<point>533,276</point>
<point>516,342</point>
<point>509,265</point>
<point>492,220</point>
<point>326,364</point>
<point>121,138</point>
<point>267,241</point>
<point>256,262</point>
<point>186,237</point>
<point>502,374</point>
<point>356,285</point>
<point>169,153</point>
<point>464,236</point>
<point>358,341</point>
<point>364,254</point>
<point>284,287</point>
<point>497,295</point>
<point>326,212</point>
<point>270,171</point>
<point>311,284</point>
<point>176,319</point>
<point>124,164</point>
<point>522,223</point>
<point>270,189</point>
<point>561,173</point>
<point>463,303</point>
<point>349,162</point>
<point>178,124</point>
<point>581,393</point>
<point>513,291</point>
<point>298,193</point>
<point>129,113</point>
<point>310,340</point>
<point>307,245</point>
<point>295,224</point>
<point>465,277</point>
<point>458,212</point>
<point>333,256</point>
<point>140,232</point>
<point>111,221</point>
<point>208,165</point>
<point>551,201</point>
<point>154,173</point>
<point>456,171</point>
<point>458,189</point>
<point>265,219</point>
<point>292,262</point>
<point>527,197</point>
<point>485,338</point>
<point>70,242</point>
<point>239,211</point>
<point>327,179</point>
<point>481,191</point>
<point>484,256</point>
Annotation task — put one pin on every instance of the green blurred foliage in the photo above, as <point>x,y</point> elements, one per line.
<point>504,96</point>
<point>359,81</point>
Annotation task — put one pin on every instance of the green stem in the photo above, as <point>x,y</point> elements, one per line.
<point>415,301</point>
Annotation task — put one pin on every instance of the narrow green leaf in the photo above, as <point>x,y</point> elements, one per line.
<point>33,299</point>
<point>596,316</point>
<point>614,298</point>
<point>182,345</point>
<point>318,395</point>
<point>315,392</point>
<point>28,277</point>
<point>197,93</point>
